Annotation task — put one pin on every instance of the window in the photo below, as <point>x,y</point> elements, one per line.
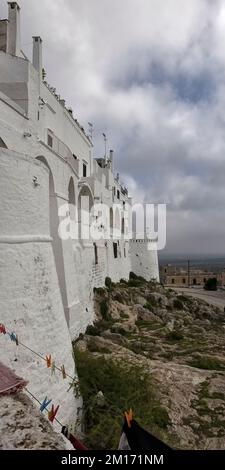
<point>194,282</point>
<point>123,226</point>
<point>184,281</point>
<point>50,140</point>
<point>173,280</point>
<point>115,250</point>
<point>125,255</point>
<point>84,170</point>
<point>96,253</point>
<point>118,194</point>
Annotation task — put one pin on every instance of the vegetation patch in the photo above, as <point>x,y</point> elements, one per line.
<point>123,387</point>
<point>178,304</point>
<point>174,336</point>
<point>207,362</point>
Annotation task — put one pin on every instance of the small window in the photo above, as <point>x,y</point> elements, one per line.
<point>115,250</point>
<point>84,170</point>
<point>38,116</point>
<point>184,281</point>
<point>74,156</point>
<point>50,141</point>
<point>194,282</point>
<point>123,226</point>
<point>125,255</point>
<point>118,194</point>
<point>173,281</point>
<point>96,253</point>
<point>165,270</point>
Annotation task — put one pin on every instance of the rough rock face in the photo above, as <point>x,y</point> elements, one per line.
<point>22,426</point>
<point>180,341</point>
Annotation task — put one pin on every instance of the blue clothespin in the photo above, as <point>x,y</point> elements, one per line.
<point>45,403</point>
<point>13,336</point>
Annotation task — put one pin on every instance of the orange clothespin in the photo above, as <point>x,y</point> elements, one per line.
<point>129,417</point>
<point>49,360</point>
<point>52,413</point>
<point>63,371</point>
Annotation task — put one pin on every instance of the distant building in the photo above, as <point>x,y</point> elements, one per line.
<point>179,277</point>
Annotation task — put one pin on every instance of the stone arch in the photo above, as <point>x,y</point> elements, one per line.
<point>85,209</point>
<point>3,144</point>
<point>56,240</point>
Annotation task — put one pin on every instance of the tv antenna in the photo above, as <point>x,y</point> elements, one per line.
<point>105,140</point>
<point>91,129</point>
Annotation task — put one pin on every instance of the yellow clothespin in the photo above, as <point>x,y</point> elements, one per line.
<point>129,417</point>
<point>63,371</point>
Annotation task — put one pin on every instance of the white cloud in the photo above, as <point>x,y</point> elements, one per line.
<point>151,74</point>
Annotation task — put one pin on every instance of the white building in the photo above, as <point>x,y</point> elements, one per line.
<point>46,163</point>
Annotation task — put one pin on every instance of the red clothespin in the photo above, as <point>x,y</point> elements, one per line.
<point>49,361</point>
<point>2,329</point>
<point>52,413</point>
<point>63,371</point>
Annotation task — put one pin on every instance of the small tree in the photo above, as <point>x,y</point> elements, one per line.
<point>211,284</point>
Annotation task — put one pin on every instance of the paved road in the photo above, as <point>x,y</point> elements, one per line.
<point>216,298</point>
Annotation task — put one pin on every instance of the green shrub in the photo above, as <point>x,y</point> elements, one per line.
<point>211,284</point>
<point>108,282</point>
<point>123,387</point>
<point>92,330</point>
<point>104,310</point>
<point>132,275</point>
<point>174,336</point>
<point>99,290</point>
<point>124,315</point>
<point>208,363</point>
<point>178,304</point>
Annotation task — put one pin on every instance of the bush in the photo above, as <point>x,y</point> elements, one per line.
<point>104,309</point>
<point>133,276</point>
<point>92,330</point>
<point>178,304</point>
<point>174,336</point>
<point>123,387</point>
<point>208,363</point>
<point>211,284</point>
<point>108,282</point>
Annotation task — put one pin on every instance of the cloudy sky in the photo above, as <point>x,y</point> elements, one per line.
<point>151,75</point>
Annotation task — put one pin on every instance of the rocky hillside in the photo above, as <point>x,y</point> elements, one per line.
<point>174,350</point>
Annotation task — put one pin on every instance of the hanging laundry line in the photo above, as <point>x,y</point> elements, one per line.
<point>77,444</point>
<point>48,359</point>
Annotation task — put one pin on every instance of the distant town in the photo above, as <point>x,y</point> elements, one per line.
<point>188,274</point>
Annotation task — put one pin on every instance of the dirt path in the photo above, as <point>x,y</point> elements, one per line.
<point>214,298</point>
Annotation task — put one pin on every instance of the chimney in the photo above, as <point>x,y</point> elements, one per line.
<point>37,55</point>
<point>13,43</point>
<point>62,102</point>
<point>111,158</point>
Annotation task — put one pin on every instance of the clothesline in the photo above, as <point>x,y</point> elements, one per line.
<point>36,399</point>
<point>40,356</point>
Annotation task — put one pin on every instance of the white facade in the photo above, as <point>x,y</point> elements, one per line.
<point>45,162</point>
